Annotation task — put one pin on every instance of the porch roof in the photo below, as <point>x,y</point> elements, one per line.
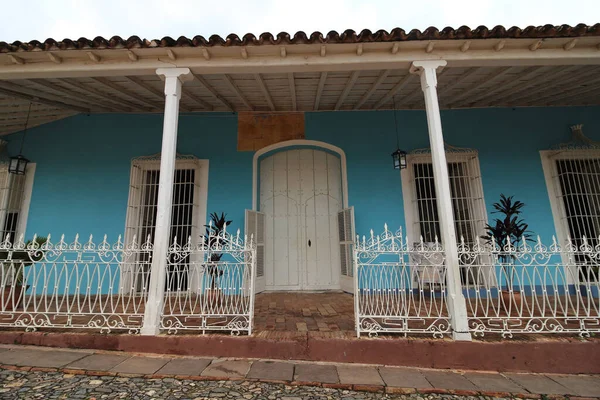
<point>535,66</point>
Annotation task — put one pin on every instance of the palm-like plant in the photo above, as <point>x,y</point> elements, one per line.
<point>508,230</point>
<point>21,259</point>
<point>213,239</point>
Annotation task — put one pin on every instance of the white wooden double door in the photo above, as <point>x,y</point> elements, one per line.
<point>300,196</point>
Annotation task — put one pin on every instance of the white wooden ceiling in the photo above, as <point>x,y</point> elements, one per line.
<point>458,87</point>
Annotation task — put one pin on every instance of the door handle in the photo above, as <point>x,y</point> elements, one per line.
<point>308,242</point>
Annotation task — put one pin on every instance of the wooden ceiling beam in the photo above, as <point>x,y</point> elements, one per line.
<point>265,91</point>
<point>124,93</point>
<point>591,98</point>
<point>87,102</point>
<point>529,87</point>
<point>10,89</point>
<point>21,119</point>
<point>542,90</point>
<point>485,81</point>
<point>292,84</point>
<point>509,86</point>
<point>372,89</point>
<point>23,107</point>
<point>322,80</point>
<point>566,91</point>
<point>113,99</point>
<point>187,93</point>
<point>147,87</point>
<point>397,88</point>
<point>33,121</point>
<point>235,89</point>
<point>347,88</point>
<point>444,90</point>
<point>580,93</point>
<point>212,91</point>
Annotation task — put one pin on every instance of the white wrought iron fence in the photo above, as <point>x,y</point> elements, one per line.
<point>531,288</point>
<point>73,285</point>
<point>400,287</point>
<point>210,285</point>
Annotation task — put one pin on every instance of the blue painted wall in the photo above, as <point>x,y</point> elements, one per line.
<point>83,162</point>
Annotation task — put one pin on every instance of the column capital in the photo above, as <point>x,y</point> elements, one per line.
<point>418,66</point>
<point>183,74</point>
<point>427,70</point>
<point>174,78</point>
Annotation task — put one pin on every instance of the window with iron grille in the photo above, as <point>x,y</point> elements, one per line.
<point>14,193</point>
<point>575,188</point>
<point>188,213</point>
<point>467,198</point>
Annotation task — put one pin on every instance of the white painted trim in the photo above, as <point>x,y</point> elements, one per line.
<point>411,214</point>
<point>558,209</point>
<point>560,230</point>
<point>203,195</point>
<point>201,167</point>
<point>27,191</point>
<point>293,143</point>
<point>304,58</point>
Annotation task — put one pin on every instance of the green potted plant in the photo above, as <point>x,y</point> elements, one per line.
<point>511,230</point>
<point>13,282</point>
<point>214,238</point>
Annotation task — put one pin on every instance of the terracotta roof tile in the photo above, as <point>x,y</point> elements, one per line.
<point>348,36</point>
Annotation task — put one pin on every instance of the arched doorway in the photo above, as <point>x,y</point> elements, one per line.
<point>300,189</point>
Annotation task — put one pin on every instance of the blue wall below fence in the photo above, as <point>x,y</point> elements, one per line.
<point>83,162</point>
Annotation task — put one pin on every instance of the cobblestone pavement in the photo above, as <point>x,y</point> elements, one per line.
<point>55,385</point>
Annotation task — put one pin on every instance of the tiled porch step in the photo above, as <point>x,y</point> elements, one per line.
<point>351,376</point>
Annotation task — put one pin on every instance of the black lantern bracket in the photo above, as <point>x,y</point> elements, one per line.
<point>18,165</point>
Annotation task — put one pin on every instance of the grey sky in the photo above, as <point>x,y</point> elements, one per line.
<point>39,19</point>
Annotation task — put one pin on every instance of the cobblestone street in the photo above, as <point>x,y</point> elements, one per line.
<point>54,385</point>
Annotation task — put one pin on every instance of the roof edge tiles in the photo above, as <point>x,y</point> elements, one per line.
<point>333,37</point>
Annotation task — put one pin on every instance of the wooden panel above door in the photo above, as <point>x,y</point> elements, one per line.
<point>258,130</point>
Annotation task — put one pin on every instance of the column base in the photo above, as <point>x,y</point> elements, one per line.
<point>149,331</point>
<point>462,336</point>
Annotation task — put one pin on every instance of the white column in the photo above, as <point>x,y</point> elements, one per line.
<point>456,301</point>
<point>173,78</point>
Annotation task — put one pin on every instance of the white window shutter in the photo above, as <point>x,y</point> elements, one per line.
<point>255,227</point>
<point>346,234</point>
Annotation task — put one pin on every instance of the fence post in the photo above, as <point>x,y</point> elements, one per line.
<point>457,306</point>
<point>252,279</point>
<point>173,79</point>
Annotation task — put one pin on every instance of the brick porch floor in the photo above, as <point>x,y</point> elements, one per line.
<point>302,312</point>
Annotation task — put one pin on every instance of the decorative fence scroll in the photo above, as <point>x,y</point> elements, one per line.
<point>531,288</point>
<point>210,285</point>
<point>400,286</point>
<point>74,285</point>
